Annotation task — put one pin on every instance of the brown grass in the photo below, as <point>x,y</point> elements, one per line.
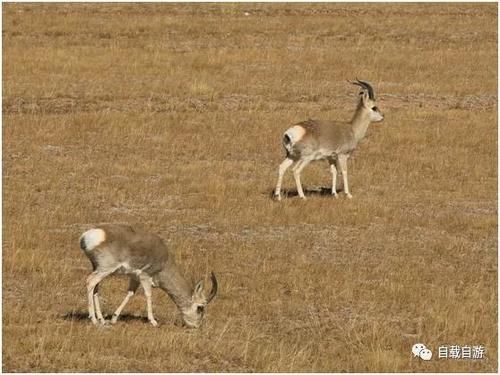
<point>169,116</point>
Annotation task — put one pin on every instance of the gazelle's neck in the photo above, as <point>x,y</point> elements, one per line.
<point>176,286</point>
<point>360,122</point>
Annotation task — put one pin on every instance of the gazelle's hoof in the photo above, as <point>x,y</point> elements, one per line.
<point>335,195</point>
<point>349,196</point>
<point>277,197</point>
<point>154,323</point>
<point>303,197</point>
<point>114,319</point>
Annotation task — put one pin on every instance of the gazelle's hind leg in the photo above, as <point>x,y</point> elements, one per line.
<point>92,281</point>
<point>301,164</point>
<point>146,282</point>
<point>97,305</point>
<point>285,164</point>
<point>132,288</point>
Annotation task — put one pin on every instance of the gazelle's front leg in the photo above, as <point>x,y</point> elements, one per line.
<point>342,164</point>
<point>132,288</point>
<point>146,282</point>
<point>333,170</point>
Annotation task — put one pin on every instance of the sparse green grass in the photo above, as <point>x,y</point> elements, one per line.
<point>169,116</point>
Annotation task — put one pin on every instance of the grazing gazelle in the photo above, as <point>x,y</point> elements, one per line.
<point>146,260</point>
<point>331,140</point>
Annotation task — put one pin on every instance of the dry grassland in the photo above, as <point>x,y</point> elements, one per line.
<point>169,117</point>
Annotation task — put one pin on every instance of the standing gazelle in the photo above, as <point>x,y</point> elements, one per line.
<point>146,260</point>
<point>331,140</point>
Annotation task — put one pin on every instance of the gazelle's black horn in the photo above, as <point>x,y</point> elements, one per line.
<point>213,292</point>
<point>368,87</point>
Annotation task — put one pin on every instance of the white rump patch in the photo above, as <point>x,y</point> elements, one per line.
<point>93,238</point>
<point>295,133</point>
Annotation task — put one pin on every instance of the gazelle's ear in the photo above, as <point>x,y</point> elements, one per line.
<point>198,289</point>
<point>365,97</point>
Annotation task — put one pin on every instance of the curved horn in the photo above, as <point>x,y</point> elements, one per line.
<point>368,87</point>
<point>213,292</point>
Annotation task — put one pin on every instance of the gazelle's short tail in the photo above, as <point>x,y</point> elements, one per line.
<point>287,144</point>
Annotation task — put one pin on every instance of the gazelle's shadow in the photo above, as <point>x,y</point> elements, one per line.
<point>84,316</point>
<point>319,191</point>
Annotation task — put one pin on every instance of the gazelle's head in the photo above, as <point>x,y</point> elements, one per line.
<point>367,100</point>
<point>192,315</point>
